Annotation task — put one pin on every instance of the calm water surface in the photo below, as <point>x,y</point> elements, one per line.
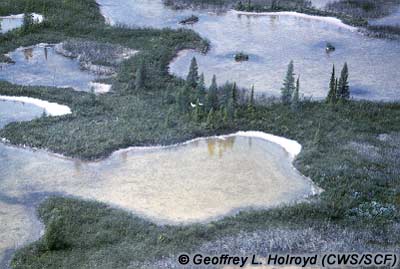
<point>41,66</point>
<point>8,24</point>
<point>194,182</point>
<point>271,42</point>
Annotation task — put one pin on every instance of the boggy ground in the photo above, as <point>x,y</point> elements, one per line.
<point>350,150</point>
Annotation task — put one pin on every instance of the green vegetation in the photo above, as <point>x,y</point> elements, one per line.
<point>363,8</point>
<point>345,150</point>
<point>361,192</point>
<point>339,89</point>
<point>288,85</point>
<point>298,6</point>
<point>190,20</point>
<point>241,56</point>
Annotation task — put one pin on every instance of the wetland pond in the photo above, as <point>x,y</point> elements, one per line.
<point>9,23</point>
<point>197,181</point>
<point>200,180</point>
<point>40,65</point>
<point>271,42</point>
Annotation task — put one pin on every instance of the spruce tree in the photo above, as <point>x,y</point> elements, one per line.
<point>296,96</point>
<point>201,88</point>
<point>251,100</point>
<point>210,118</point>
<point>193,75</point>
<point>197,111</point>
<point>331,98</point>
<point>212,96</point>
<point>343,87</point>
<point>27,22</point>
<point>140,76</point>
<point>230,109</point>
<point>234,95</point>
<point>183,98</point>
<point>288,85</point>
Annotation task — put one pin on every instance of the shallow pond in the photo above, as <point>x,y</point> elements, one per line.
<point>41,66</point>
<point>272,41</point>
<point>196,181</point>
<point>8,24</point>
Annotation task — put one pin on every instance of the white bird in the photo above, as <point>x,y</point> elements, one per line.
<point>194,105</point>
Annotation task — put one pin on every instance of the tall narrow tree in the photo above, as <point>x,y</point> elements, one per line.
<point>212,96</point>
<point>234,94</point>
<point>296,96</point>
<point>288,85</point>
<point>193,75</point>
<point>201,89</point>
<point>251,99</point>
<point>331,98</point>
<point>343,87</point>
<point>27,22</point>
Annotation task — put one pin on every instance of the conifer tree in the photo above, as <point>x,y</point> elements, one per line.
<point>331,98</point>
<point>296,96</point>
<point>230,109</point>
<point>212,96</point>
<point>140,77</point>
<point>201,88</point>
<point>234,95</point>
<point>210,118</point>
<point>225,117</point>
<point>193,75</point>
<point>27,22</point>
<point>343,86</point>
<point>251,100</point>
<point>288,85</point>
<point>197,111</point>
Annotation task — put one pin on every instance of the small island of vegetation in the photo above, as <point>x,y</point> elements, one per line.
<point>241,56</point>
<point>190,20</point>
<point>329,47</point>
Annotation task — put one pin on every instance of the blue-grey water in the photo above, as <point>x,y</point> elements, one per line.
<point>271,42</point>
<point>41,66</point>
<point>260,168</point>
<point>194,182</point>
<point>8,24</point>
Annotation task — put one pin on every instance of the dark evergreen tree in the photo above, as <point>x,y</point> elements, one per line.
<point>140,76</point>
<point>234,95</point>
<point>251,99</point>
<point>294,105</point>
<point>231,109</point>
<point>212,96</point>
<point>201,89</point>
<point>240,6</point>
<point>210,118</point>
<point>27,22</point>
<point>193,75</point>
<point>331,98</point>
<point>288,85</point>
<point>183,98</point>
<point>343,87</point>
<point>197,111</point>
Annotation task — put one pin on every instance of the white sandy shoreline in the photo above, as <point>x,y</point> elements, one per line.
<point>331,20</point>
<point>52,109</point>
<point>292,147</point>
